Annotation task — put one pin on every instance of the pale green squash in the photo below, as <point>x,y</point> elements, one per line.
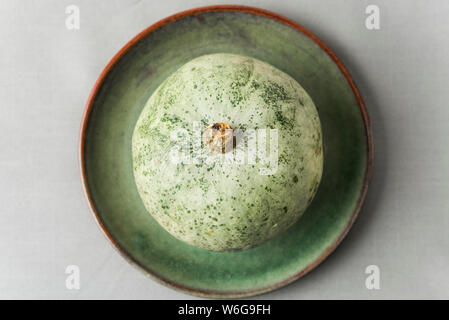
<point>227,206</point>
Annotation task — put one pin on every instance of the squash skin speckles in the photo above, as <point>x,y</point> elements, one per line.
<point>227,207</point>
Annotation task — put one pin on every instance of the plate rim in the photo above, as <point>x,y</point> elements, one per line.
<point>191,12</point>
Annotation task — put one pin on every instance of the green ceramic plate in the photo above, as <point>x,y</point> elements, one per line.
<point>118,98</point>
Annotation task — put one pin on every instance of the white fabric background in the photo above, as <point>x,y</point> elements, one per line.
<point>47,72</point>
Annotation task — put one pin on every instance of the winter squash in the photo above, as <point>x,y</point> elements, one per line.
<point>227,152</point>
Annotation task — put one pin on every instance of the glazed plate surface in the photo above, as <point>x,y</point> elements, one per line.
<point>117,101</point>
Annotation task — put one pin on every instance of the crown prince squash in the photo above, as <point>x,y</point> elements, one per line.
<point>245,181</point>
